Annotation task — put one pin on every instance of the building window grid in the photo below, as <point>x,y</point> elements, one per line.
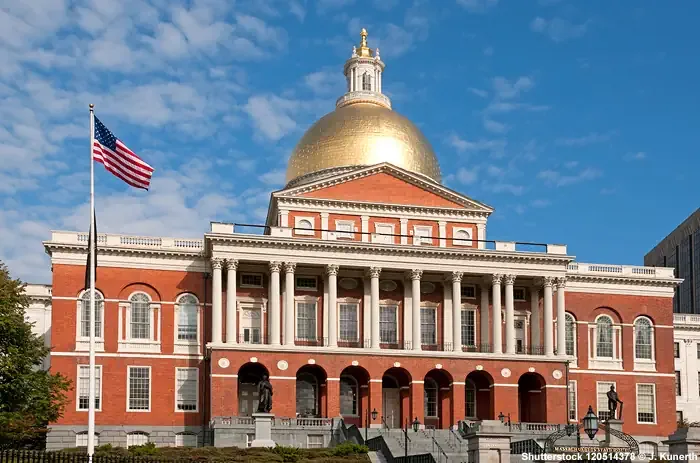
<point>84,386</point>
<point>679,390</point>
<point>306,320</point>
<point>470,399</point>
<point>140,322</point>
<point>468,292</point>
<point>468,327</point>
<point>81,439</point>
<point>697,346</point>
<point>696,270</point>
<point>348,322</point>
<point>646,403</point>
<point>570,335</point>
<point>519,294</point>
<point>139,389</point>
<point>85,314</point>
<point>136,438</point>
<point>187,318</point>
<point>602,399</point>
<point>428,328</point>
<point>186,389</point>
<point>643,334</point>
<point>430,396</point>
<point>573,400</point>
<point>251,280</point>
<point>348,397</point>
<point>306,283</point>
<point>604,343</point>
<point>388,332</point>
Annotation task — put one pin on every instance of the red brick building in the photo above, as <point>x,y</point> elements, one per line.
<point>371,287</point>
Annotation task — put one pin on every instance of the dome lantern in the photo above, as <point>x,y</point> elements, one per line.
<point>363,74</point>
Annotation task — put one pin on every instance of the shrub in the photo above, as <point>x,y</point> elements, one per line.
<point>148,449</point>
<point>348,448</point>
<point>288,454</point>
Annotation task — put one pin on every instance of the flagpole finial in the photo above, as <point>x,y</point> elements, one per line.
<point>92,106</point>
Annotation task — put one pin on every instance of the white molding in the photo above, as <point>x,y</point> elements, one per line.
<point>130,355</point>
<point>636,397</point>
<point>223,375</point>
<point>462,242</point>
<point>383,239</point>
<point>301,231</point>
<point>419,239</point>
<point>150,387</point>
<point>624,373</point>
<point>345,235</point>
<point>196,410</point>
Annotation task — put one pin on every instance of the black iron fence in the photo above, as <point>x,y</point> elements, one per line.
<point>40,456</point>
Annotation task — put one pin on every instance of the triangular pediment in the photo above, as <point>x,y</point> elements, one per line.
<point>384,184</point>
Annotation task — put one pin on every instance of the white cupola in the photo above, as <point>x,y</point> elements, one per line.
<point>363,73</point>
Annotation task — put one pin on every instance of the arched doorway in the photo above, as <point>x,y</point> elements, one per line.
<point>354,395</point>
<point>532,398</point>
<point>249,375</point>
<point>310,389</point>
<point>396,396</point>
<point>478,399</point>
<point>436,398</point>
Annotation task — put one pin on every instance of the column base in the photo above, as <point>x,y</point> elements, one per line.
<point>263,430</point>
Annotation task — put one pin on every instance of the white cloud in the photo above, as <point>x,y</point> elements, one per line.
<point>496,147</point>
<point>488,51</point>
<point>558,29</point>
<point>495,126</point>
<point>273,178</point>
<point>638,156</point>
<point>271,115</point>
<point>478,92</point>
<point>467,176</point>
<point>477,6</point>
<point>556,178</point>
<point>506,90</point>
<point>326,82</point>
<point>503,187</point>
<point>540,203</point>
<point>297,10</point>
<point>590,139</point>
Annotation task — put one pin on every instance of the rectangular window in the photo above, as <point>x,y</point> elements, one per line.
<point>468,292</point>
<point>348,322</point>
<point>140,320</point>
<point>306,283</point>
<point>573,399</point>
<point>602,388</point>
<point>84,386</point>
<point>519,294</point>
<point>387,324</point>
<point>646,403</point>
<point>306,321</point>
<point>678,384</point>
<point>383,233</point>
<point>139,389</point>
<point>136,438</point>
<point>314,441</point>
<point>344,229</point>
<point>251,280</point>
<point>468,327</point>
<point>677,350</point>
<point>85,316</point>
<point>428,331</point>
<point>187,322</point>
<point>422,234</point>
<point>186,389</point>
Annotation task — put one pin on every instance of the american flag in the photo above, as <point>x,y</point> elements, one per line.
<point>118,159</point>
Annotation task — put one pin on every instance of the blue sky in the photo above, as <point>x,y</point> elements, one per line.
<point>577,121</point>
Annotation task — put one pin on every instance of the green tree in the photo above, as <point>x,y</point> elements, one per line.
<point>30,398</point>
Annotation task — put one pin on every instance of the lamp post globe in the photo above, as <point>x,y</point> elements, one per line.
<point>590,423</point>
<point>374,414</point>
<point>416,425</point>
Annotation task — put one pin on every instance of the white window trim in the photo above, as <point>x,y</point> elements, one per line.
<point>462,242</point>
<point>434,307</point>
<point>126,343</point>
<point>383,239</point>
<point>82,343</point>
<point>308,440</point>
<point>418,239</point>
<point>299,288</point>
<point>574,362</point>
<point>140,433</point>
<point>608,384</point>
<point>84,433</point>
<point>252,304</point>
<point>644,364</point>
<point>300,231</point>
<point>395,304</point>
<point>636,398</point>
<point>575,418</point>
<point>187,346</point>
<point>345,235</point>
<point>469,308</point>
<point>305,299</point>
<point>77,389</point>
<point>604,363</point>
<point>150,388</point>
<point>468,286</point>
<point>348,300</point>
<point>196,410</point>
<point>243,285</point>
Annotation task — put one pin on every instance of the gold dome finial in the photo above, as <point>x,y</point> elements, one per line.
<point>363,37</point>
<point>364,50</point>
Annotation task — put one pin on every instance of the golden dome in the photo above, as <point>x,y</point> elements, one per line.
<point>362,134</point>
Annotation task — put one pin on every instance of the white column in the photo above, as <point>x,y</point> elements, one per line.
<point>447,310</point>
<point>484,314</point>
<point>216,310</point>
<point>365,228</point>
<point>374,297</point>
<point>325,226</point>
<point>442,233</point>
<point>457,311</point>
<point>536,339</point>
<point>481,235</point>
<point>332,271</point>
<point>548,317</point>
<point>415,301</point>
<point>561,317</point>
<point>497,328</point>
<point>367,313</point>
<point>275,303</point>
<point>510,315</point>
<point>231,313</point>
<point>407,315</point>
<point>404,231</point>
<point>289,311</point>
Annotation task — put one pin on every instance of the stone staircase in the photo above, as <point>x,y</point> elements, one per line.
<point>447,446</point>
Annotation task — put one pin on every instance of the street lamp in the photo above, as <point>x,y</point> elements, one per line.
<point>590,423</point>
<point>374,417</point>
<point>502,417</point>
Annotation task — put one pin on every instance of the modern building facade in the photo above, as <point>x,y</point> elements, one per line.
<point>681,251</point>
<point>372,286</point>
<point>686,353</point>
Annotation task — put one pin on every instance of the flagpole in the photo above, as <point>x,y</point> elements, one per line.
<point>92,240</point>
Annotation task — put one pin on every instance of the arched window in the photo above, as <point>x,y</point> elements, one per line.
<point>187,318</point>
<point>570,335</point>
<point>85,314</point>
<point>136,438</point>
<point>81,439</point>
<point>366,82</point>
<point>305,224</point>
<point>348,396</point>
<point>470,399</point>
<point>431,398</point>
<point>643,342</point>
<point>140,316</point>
<point>307,395</point>
<point>462,238</point>
<point>604,341</point>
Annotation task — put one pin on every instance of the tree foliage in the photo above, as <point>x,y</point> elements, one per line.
<point>30,397</point>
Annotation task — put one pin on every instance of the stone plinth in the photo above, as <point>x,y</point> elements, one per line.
<point>685,441</point>
<point>610,439</point>
<point>489,442</point>
<point>263,430</point>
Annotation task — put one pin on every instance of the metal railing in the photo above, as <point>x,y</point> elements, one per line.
<point>442,456</point>
<point>41,456</point>
<point>315,342</point>
<point>243,339</point>
<point>455,440</point>
<point>482,348</point>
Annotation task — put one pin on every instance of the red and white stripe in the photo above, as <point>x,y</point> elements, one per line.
<point>124,163</point>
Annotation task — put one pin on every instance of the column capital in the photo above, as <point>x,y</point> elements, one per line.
<point>231,264</point>
<point>373,272</point>
<point>496,278</point>
<point>217,263</point>
<point>324,215</point>
<point>456,277</point>
<point>416,274</point>
<point>509,279</point>
<point>403,221</point>
<point>332,269</point>
<point>561,282</point>
<point>275,267</point>
<point>547,282</point>
<point>289,267</point>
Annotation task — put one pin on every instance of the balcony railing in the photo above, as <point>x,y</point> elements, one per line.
<point>252,339</point>
<point>686,319</point>
<point>578,268</point>
<point>315,342</point>
<point>483,348</point>
<point>278,422</point>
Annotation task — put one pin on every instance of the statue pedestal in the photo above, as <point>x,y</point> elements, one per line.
<point>612,440</point>
<point>263,430</point>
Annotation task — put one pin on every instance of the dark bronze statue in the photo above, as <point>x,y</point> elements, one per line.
<point>613,400</point>
<point>264,395</point>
